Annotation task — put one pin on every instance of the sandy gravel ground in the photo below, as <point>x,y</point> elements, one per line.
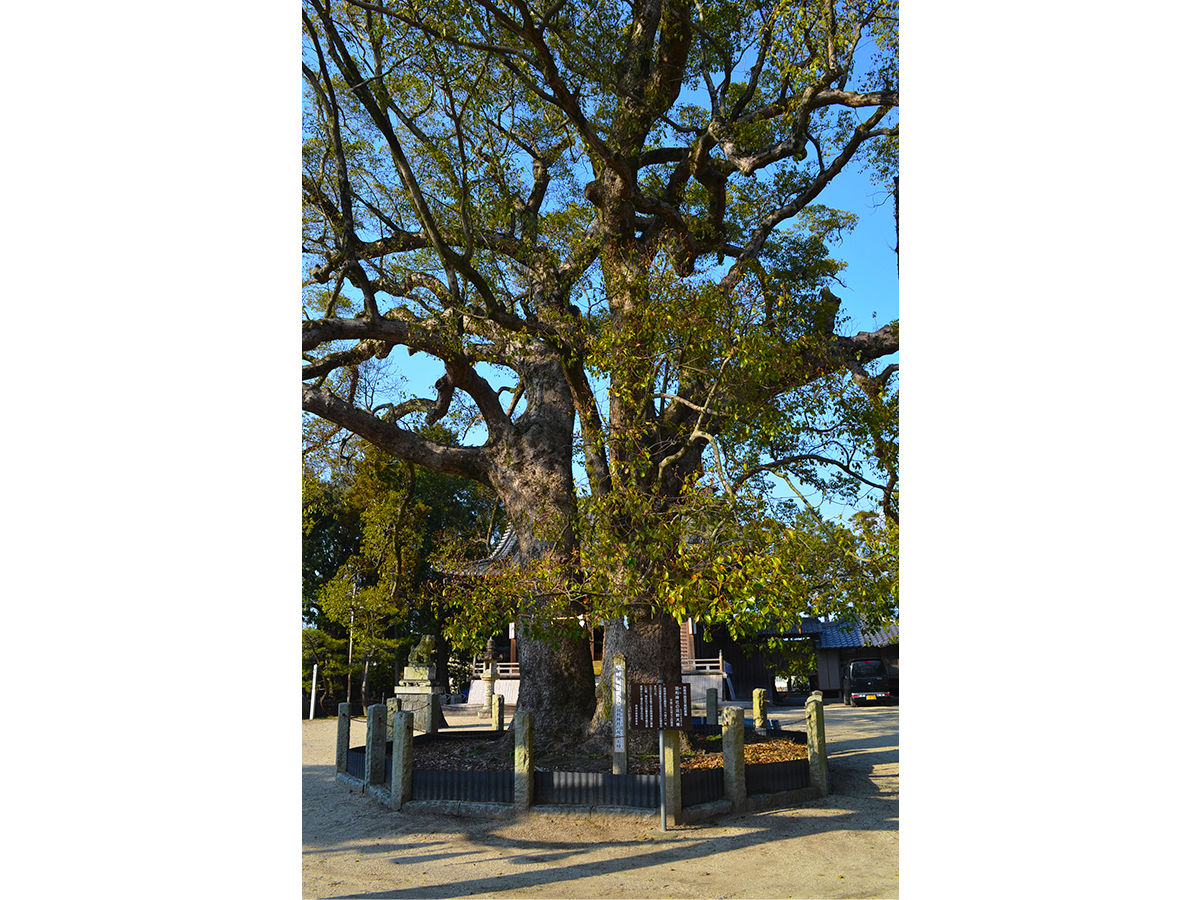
<point>844,845</point>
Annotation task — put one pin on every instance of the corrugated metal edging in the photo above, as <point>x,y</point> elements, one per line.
<point>478,787</point>
<point>356,762</point>
<point>596,789</point>
<point>769,778</point>
<point>701,785</point>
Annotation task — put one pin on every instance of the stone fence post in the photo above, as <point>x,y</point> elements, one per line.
<point>393,706</point>
<point>376,749</point>
<point>343,737</point>
<point>402,758</point>
<point>435,713</point>
<point>760,708</point>
<point>672,792</point>
<point>498,712</point>
<point>522,726</point>
<point>710,706</point>
<point>733,745</point>
<point>818,760</point>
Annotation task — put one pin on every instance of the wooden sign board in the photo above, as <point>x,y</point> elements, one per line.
<point>661,707</point>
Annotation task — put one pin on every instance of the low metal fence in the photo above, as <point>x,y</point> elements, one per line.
<point>356,762</point>
<point>702,729</point>
<point>478,787</point>
<point>770,778</point>
<point>596,789</point>
<point>698,786</point>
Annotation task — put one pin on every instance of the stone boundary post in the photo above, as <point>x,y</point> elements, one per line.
<point>376,750</point>
<point>818,760</point>
<point>343,737</point>
<point>498,711</point>
<point>435,712</point>
<point>760,708</point>
<point>733,745</point>
<point>522,725</point>
<point>393,706</point>
<point>672,792</point>
<point>710,706</point>
<point>402,758</point>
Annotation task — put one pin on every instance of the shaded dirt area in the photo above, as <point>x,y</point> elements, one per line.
<point>843,845</point>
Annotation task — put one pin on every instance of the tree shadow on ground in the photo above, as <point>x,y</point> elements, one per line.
<point>697,847</point>
<point>701,854</point>
<point>485,858</point>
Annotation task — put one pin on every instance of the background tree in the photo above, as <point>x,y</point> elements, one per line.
<point>329,655</point>
<point>607,211</point>
<point>371,523</point>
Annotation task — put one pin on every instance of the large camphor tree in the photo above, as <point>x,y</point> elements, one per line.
<point>602,218</point>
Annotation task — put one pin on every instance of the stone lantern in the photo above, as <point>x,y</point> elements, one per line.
<point>489,678</point>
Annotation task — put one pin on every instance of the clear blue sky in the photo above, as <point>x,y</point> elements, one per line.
<point>870,295</point>
<point>869,289</point>
<point>869,292</point>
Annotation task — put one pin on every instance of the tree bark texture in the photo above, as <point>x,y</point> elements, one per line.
<point>650,643</point>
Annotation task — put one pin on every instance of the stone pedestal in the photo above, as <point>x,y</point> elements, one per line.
<point>418,695</point>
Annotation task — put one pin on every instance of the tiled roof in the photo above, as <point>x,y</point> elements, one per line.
<point>838,634</point>
<point>506,546</point>
<point>883,637</point>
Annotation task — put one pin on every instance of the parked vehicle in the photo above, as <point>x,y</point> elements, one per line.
<point>869,681</point>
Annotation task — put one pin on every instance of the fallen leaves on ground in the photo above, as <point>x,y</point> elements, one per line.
<point>768,751</point>
<point>494,755</point>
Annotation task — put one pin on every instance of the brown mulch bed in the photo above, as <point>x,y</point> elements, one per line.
<point>496,754</point>
<point>777,748</point>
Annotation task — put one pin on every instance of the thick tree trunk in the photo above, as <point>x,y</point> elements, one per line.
<point>557,686</point>
<point>649,640</point>
<point>650,644</point>
<point>532,476</point>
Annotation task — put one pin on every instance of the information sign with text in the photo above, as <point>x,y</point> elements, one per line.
<point>661,707</point>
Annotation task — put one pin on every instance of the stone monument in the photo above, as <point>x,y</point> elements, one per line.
<point>417,693</point>
<point>488,678</point>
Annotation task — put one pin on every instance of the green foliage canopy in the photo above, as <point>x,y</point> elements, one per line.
<point>604,219</point>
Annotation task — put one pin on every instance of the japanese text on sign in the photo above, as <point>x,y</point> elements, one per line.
<point>618,680</point>
<point>661,707</point>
